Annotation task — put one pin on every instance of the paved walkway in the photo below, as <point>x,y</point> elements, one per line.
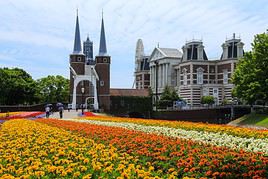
<point>66,115</point>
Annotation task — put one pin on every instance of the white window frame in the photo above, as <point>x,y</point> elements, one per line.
<point>184,76</point>
<point>200,76</point>
<point>225,76</point>
<point>216,95</point>
<point>205,92</point>
<point>101,83</point>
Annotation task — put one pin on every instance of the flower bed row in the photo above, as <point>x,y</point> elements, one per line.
<point>218,139</point>
<point>32,150</point>
<point>16,115</point>
<point>175,156</point>
<point>230,130</point>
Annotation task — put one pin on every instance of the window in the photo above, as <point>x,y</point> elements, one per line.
<point>205,92</point>
<point>101,83</point>
<point>225,77</point>
<point>79,59</point>
<point>200,76</point>
<point>184,76</point>
<point>105,60</point>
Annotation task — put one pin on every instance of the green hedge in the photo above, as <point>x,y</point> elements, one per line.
<point>127,104</point>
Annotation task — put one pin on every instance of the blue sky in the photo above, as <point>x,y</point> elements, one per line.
<point>38,35</point>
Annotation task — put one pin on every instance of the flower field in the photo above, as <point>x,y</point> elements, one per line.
<point>33,150</point>
<point>174,156</point>
<point>110,147</point>
<point>223,129</point>
<point>218,139</point>
<point>16,115</point>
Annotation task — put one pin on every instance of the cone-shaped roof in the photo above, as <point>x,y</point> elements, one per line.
<point>102,49</point>
<point>77,40</point>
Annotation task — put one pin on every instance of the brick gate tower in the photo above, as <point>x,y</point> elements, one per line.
<point>102,67</point>
<point>77,63</point>
<point>83,76</point>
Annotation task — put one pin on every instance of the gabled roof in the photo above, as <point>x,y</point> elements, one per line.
<point>165,52</point>
<point>129,92</point>
<point>171,52</point>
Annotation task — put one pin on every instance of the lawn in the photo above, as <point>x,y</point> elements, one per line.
<point>253,119</point>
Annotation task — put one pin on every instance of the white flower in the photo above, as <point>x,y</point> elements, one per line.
<point>219,139</point>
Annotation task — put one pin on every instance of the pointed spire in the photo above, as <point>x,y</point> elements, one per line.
<point>102,49</point>
<point>77,41</point>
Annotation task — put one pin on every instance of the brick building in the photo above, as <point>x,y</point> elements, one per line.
<point>192,74</point>
<point>90,78</point>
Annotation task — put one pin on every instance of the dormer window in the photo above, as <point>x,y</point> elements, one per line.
<point>192,52</point>
<point>232,50</point>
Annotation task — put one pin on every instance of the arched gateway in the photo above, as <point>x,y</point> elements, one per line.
<point>91,76</point>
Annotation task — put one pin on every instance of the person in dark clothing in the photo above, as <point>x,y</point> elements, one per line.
<point>61,111</point>
<point>47,109</point>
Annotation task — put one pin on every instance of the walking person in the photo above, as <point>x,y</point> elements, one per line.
<point>61,111</point>
<point>47,109</point>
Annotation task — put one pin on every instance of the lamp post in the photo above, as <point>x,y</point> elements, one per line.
<point>156,83</point>
<point>82,90</point>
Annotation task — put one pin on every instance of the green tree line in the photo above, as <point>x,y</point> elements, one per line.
<point>251,74</point>
<point>18,87</point>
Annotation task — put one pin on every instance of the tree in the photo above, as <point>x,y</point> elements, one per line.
<point>53,89</point>
<point>16,87</point>
<point>250,76</point>
<point>207,100</point>
<point>167,97</point>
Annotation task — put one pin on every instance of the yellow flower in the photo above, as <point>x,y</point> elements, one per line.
<point>87,176</point>
<point>76,174</point>
<point>63,173</point>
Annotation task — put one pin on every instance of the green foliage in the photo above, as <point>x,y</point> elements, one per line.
<point>207,100</point>
<point>167,97</point>
<point>53,89</point>
<point>226,101</point>
<point>16,87</point>
<point>250,76</point>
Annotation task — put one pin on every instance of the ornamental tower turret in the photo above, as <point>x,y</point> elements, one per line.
<point>102,67</point>
<point>77,63</point>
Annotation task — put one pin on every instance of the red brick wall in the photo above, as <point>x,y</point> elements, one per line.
<point>103,86</point>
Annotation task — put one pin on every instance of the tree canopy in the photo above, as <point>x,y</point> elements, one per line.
<point>167,97</point>
<point>53,89</point>
<point>207,100</point>
<point>250,76</point>
<point>16,87</point>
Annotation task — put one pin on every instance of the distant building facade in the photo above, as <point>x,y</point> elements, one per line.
<point>88,49</point>
<point>192,74</point>
<point>142,70</point>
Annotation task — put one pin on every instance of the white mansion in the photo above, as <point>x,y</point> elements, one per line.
<point>190,73</point>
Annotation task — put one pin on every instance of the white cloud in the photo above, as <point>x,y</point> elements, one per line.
<point>50,25</point>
